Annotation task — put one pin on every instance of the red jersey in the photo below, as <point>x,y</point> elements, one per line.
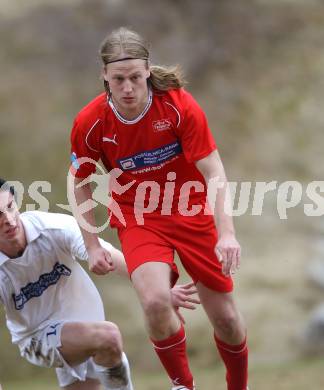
<point>160,145</point>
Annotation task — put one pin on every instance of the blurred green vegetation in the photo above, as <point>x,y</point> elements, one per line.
<point>257,69</point>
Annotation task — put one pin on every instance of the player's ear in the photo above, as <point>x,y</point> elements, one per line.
<point>148,69</point>
<point>104,73</point>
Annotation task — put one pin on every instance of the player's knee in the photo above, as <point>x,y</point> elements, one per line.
<point>107,337</point>
<point>157,303</point>
<point>227,324</point>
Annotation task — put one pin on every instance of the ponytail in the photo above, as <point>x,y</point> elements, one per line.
<point>164,78</point>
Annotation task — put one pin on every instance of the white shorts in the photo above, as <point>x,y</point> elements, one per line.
<point>42,350</point>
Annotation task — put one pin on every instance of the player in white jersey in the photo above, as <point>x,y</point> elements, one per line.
<point>53,310</point>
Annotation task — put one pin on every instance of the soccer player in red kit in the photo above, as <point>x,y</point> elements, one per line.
<point>154,137</point>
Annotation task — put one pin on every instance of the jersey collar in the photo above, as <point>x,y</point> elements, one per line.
<point>3,258</point>
<point>30,229</point>
<point>140,116</point>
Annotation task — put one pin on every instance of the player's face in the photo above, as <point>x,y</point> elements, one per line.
<point>10,223</point>
<point>128,85</point>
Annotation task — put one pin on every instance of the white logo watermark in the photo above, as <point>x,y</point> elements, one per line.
<point>236,198</point>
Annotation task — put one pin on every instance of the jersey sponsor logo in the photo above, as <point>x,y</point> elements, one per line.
<point>127,164</point>
<point>36,289</point>
<point>112,140</point>
<point>162,125</point>
<point>151,157</point>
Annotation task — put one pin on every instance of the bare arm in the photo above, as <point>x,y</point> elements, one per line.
<point>119,262</point>
<point>227,248</point>
<point>100,261</point>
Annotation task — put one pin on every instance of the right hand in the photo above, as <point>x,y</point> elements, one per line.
<point>100,261</point>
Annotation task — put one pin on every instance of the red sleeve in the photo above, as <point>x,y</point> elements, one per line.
<point>195,136</point>
<point>85,143</point>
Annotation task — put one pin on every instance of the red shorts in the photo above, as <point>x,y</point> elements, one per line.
<point>194,238</point>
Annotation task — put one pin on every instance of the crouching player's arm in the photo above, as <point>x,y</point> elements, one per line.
<point>182,294</point>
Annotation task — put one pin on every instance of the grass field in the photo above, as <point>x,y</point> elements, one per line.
<point>297,375</point>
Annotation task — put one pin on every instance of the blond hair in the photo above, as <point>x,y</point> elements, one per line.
<point>125,43</point>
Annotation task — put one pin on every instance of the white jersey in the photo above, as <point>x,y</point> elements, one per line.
<point>47,283</point>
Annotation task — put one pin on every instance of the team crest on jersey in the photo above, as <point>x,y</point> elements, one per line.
<point>162,125</point>
<point>36,289</point>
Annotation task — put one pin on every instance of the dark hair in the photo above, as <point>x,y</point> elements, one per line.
<point>125,43</point>
<point>5,186</point>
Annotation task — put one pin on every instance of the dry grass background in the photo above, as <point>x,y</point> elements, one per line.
<point>257,70</point>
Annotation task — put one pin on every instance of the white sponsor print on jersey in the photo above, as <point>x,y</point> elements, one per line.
<point>162,125</point>
<point>112,140</point>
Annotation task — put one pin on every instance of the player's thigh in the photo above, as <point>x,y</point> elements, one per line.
<point>81,340</point>
<point>152,280</point>
<point>89,384</point>
<point>217,304</point>
<point>148,274</point>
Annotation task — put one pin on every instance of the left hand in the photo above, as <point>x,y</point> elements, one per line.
<point>228,251</point>
<point>181,296</point>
